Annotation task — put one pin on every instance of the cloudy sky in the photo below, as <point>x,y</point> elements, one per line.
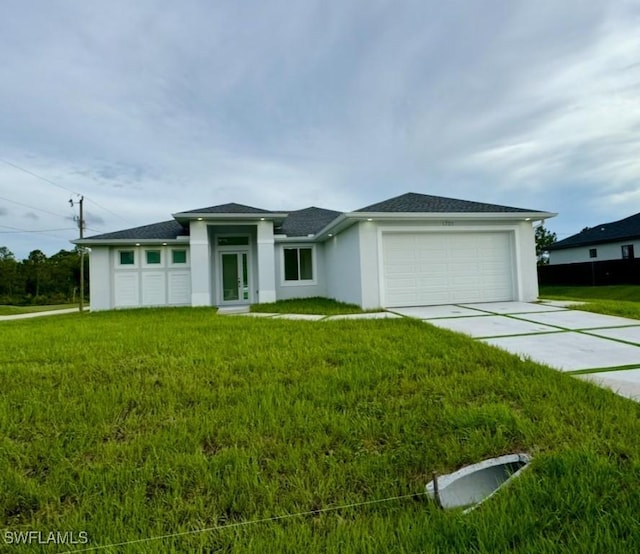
<point>152,107</point>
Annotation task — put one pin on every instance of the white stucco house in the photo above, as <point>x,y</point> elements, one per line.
<point>413,249</point>
<point>618,240</point>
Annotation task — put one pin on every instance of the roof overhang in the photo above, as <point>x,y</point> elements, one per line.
<point>346,220</point>
<point>186,217</point>
<point>130,242</point>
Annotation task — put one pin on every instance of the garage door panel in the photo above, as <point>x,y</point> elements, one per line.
<point>442,268</point>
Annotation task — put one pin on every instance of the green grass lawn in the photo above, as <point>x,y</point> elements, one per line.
<point>315,305</point>
<point>15,310</point>
<point>620,300</point>
<point>135,424</point>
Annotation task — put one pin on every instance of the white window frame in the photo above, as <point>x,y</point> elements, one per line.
<point>314,266</point>
<point>134,265</point>
<point>170,257</point>
<point>154,249</point>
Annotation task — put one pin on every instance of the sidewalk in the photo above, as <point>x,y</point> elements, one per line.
<point>38,314</point>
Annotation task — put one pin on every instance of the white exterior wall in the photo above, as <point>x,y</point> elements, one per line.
<point>200,264</point>
<point>141,284</point>
<point>100,276</point>
<point>266,263</point>
<point>291,289</point>
<point>608,251</point>
<point>343,266</point>
<point>370,265</point>
<point>526,262</point>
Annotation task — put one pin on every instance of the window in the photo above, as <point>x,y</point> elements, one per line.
<point>233,241</point>
<point>298,264</point>
<point>627,252</point>
<point>179,256</point>
<point>153,256</point>
<point>127,257</point>
<point>593,252</point>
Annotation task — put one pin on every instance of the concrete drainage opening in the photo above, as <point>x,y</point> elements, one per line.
<point>471,485</point>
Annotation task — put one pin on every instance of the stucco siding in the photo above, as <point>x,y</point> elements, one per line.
<point>343,266</point>
<point>609,251</point>
<point>100,276</point>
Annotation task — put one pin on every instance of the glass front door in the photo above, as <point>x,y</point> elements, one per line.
<point>235,277</point>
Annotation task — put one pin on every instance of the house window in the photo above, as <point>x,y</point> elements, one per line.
<point>233,241</point>
<point>298,264</point>
<point>593,252</point>
<point>127,257</point>
<point>627,252</point>
<point>153,256</point>
<point>179,256</point>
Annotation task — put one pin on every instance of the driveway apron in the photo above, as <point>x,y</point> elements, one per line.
<point>606,348</point>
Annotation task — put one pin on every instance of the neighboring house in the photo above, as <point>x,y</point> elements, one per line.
<point>617,240</point>
<point>410,250</point>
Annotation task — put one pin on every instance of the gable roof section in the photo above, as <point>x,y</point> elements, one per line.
<point>165,230</point>
<point>412,202</point>
<point>309,221</point>
<point>624,229</point>
<point>231,208</point>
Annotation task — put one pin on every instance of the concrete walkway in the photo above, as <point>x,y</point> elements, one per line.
<point>38,314</point>
<point>604,349</point>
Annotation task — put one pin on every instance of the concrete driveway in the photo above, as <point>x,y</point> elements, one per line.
<point>606,348</point>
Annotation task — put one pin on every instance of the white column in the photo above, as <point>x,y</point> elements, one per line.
<point>101,271</point>
<point>200,264</point>
<point>266,263</point>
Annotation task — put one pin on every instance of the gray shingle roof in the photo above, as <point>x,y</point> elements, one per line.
<point>624,229</point>
<point>306,222</point>
<point>231,208</point>
<point>424,203</point>
<point>166,230</point>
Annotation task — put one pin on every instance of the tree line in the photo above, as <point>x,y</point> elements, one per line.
<point>39,279</point>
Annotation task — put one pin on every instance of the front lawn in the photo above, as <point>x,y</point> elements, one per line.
<point>315,305</point>
<point>138,424</point>
<point>15,310</point>
<point>620,300</point>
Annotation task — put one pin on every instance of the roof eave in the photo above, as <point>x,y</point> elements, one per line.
<point>595,242</point>
<point>131,242</point>
<point>346,220</point>
<point>183,217</point>
<point>521,216</point>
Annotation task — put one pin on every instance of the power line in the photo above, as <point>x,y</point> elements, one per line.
<point>108,210</point>
<point>38,176</point>
<point>62,187</point>
<point>18,230</point>
<point>32,207</point>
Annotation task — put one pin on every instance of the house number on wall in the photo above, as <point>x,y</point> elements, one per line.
<point>447,223</point>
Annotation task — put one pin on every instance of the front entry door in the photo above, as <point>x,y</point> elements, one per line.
<point>235,277</point>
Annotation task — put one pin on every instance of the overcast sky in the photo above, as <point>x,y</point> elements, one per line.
<point>152,107</point>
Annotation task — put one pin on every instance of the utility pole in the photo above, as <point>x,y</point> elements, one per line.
<point>81,227</point>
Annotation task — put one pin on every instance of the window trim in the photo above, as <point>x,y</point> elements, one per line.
<point>119,253</point>
<point>314,266</point>
<point>179,264</point>
<point>630,251</point>
<point>153,264</point>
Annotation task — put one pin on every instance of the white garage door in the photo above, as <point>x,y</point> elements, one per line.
<point>446,268</point>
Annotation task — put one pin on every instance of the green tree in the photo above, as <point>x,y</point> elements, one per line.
<point>9,267</point>
<point>37,272</point>
<point>544,239</point>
